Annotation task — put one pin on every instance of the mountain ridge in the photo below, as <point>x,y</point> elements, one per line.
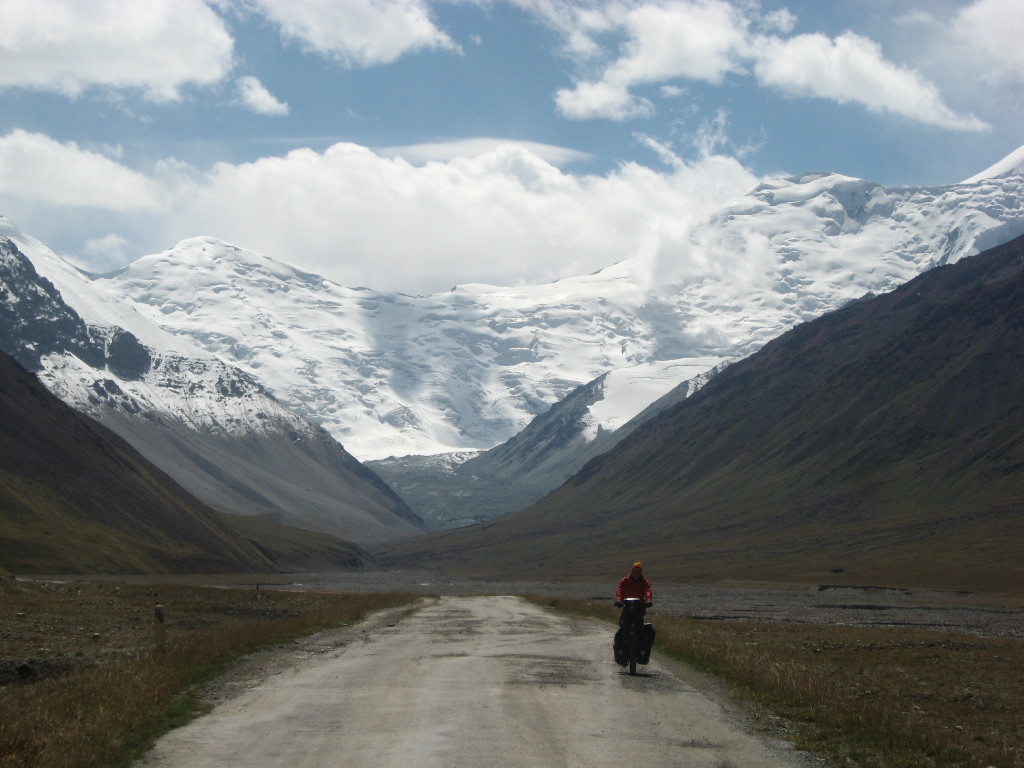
<point>213,428</point>
<point>881,443</point>
<point>392,374</point>
<point>220,346</point>
<point>55,511</point>
<point>76,498</point>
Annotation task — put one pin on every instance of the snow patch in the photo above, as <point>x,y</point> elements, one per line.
<point>627,391</point>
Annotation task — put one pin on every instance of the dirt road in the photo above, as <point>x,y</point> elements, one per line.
<point>467,682</point>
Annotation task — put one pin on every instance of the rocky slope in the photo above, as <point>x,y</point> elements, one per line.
<point>456,489</point>
<point>210,426</point>
<point>75,498</point>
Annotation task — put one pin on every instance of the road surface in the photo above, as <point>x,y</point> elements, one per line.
<point>470,682</point>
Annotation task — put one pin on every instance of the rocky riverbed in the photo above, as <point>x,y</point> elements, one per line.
<point>986,615</point>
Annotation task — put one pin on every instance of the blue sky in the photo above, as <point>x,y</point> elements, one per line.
<point>413,144</point>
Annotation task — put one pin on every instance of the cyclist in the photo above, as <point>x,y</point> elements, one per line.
<point>634,584</point>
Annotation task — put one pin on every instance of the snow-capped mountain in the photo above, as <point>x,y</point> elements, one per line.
<point>589,421</point>
<point>882,443</point>
<point>212,427</point>
<point>462,371</point>
<point>452,490</point>
<point>1011,165</point>
<point>390,374</point>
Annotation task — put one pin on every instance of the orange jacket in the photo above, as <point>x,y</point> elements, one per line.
<point>630,587</point>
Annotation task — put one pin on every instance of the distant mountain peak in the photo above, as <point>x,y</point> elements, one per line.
<point>1011,165</point>
<point>212,254</point>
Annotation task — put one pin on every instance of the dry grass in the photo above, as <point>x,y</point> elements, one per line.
<point>867,697</point>
<point>93,690</point>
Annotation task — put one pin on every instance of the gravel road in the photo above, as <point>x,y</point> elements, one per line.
<point>460,682</point>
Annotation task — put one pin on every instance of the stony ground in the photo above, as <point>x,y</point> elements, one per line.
<point>54,625</point>
<point>988,615</point>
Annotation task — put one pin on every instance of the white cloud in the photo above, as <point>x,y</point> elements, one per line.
<point>692,40</point>
<point>781,20</point>
<point>447,151</point>
<point>256,97</point>
<point>707,40</point>
<point>712,135</point>
<point>357,33</point>
<point>973,48</point>
<point>502,214</point>
<point>851,68</point>
<point>604,99</point>
<point>664,151</point>
<point>34,168</point>
<point>69,46</point>
<point>994,30</point>
<point>102,254</point>
<point>576,23</point>
<point>916,19</point>
<point>697,40</point>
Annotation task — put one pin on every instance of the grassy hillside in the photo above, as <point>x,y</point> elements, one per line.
<point>75,498</point>
<point>883,443</point>
<point>296,549</point>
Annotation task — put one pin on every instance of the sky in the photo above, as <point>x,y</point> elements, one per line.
<point>412,145</point>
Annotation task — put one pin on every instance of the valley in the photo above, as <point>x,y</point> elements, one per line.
<point>850,409</point>
<point>351,354</point>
